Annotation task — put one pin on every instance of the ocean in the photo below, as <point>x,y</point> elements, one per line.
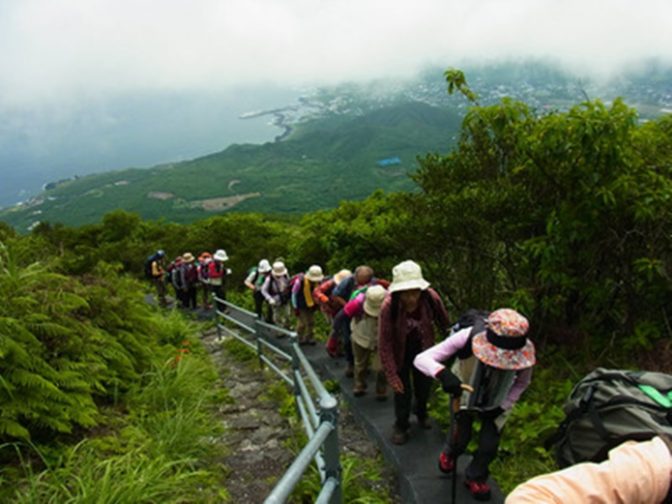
<point>54,142</point>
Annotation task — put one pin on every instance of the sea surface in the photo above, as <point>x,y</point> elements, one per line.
<point>50,143</point>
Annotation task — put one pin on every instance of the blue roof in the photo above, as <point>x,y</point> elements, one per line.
<point>388,162</point>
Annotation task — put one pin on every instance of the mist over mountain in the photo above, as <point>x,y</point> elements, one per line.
<point>53,142</point>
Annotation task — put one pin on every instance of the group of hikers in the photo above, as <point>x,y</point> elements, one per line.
<point>484,361</point>
<point>390,329</point>
<point>188,275</point>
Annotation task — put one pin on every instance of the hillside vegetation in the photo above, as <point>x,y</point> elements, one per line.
<point>566,217</point>
<point>323,162</point>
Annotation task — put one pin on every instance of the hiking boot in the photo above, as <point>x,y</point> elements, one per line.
<point>350,371</point>
<point>479,490</point>
<point>359,391</point>
<point>399,436</point>
<point>446,463</point>
<point>423,423</point>
<point>381,396</point>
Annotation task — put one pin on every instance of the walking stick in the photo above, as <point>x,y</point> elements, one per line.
<point>454,408</point>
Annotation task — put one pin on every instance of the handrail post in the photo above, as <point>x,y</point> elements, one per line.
<point>332,464</point>
<point>296,366</point>
<point>258,335</point>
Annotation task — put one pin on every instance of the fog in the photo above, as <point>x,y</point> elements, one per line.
<point>91,85</point>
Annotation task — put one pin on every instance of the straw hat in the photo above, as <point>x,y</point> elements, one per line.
<point>221,256</point>
<point>279,269</point>
<point>503,345</point>
<point>315,274</point>
<point>406,276</point>
<point>342,275</point>
<point>375,295</point>
<point>264,266</point>
<point>188,257</point>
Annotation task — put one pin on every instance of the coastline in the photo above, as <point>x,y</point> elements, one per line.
<point>280,120</point>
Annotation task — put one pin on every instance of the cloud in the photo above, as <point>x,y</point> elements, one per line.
<point>63,50</point>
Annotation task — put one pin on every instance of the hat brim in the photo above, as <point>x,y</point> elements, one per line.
<point>510,360</point>
<point>373,311</point>
<point>221,258</point>
<point>315,278</point>
<point>421,284</point>
<point>279,273</point>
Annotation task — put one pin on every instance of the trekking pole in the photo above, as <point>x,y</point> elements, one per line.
<point>454,408</point>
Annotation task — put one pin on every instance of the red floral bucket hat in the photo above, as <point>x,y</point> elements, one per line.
<point>504,344</point>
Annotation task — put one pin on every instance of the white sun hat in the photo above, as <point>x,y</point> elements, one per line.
<point>315,273</point>
<point>264,266</point>
<point>221,255</point>
<point>407,275</point>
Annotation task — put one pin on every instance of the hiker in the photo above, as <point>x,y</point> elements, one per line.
<point>495,359</point>
<point>202,266</point>
<point>406,324</point>
<point>634,472</point>
<point>217,275</point>
<point>323,294</point>
<point>363,312</point>
<point>174,273</point>
<point>277,291</point>
<point>154,266</point>
<point>256,277</point>
<point>188,280</point>
<point>342,293</point>
<point>304,304</point>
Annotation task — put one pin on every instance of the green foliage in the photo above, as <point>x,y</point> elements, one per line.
<point>158,453</point>
<point>361,482</point>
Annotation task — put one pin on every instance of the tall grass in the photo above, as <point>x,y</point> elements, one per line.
<point>160,453</point>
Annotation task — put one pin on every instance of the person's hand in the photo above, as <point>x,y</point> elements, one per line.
<point>398,386</point>
<point>449,382</point>
<point>492,413</point>
<point>272,302</point>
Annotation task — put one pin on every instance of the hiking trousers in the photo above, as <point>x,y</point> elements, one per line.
<point>366,358</point>
<point>259,301</point>
<point>160,290</point>
<point>281,315</point>
<point>416,386</point>
<point>488,442</point>
<point>341,328</point>
<point>305,325</point>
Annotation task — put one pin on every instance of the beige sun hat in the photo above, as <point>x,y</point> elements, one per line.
<point>315,274</point>
<point>188,257</point>
<point>279,269</point>
<point>407,275</point>
<point>373,301</point>
<point>342,275</point>
<point>221,255</point>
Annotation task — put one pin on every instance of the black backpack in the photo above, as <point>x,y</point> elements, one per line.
<point>148,265</point>
<point>471,318</point>
<point>608,407</point>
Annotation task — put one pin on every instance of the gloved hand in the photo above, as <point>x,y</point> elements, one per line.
<point>272,302</point>
<point>449,382</point>
<point>493,413</point>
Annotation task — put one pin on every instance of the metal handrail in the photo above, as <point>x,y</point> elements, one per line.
<point>320,422</point>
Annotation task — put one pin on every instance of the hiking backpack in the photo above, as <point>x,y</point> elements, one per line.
<point>148,265</point>
<point>608,407</point>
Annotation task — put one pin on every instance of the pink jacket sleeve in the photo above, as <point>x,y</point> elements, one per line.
<point>354,307</point>
<point>429,361</point>
<point>635,472</point>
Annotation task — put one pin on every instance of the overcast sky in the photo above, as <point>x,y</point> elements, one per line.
<point>55,50</point>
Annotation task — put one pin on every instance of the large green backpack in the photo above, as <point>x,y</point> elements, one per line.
<point>608,407</point>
